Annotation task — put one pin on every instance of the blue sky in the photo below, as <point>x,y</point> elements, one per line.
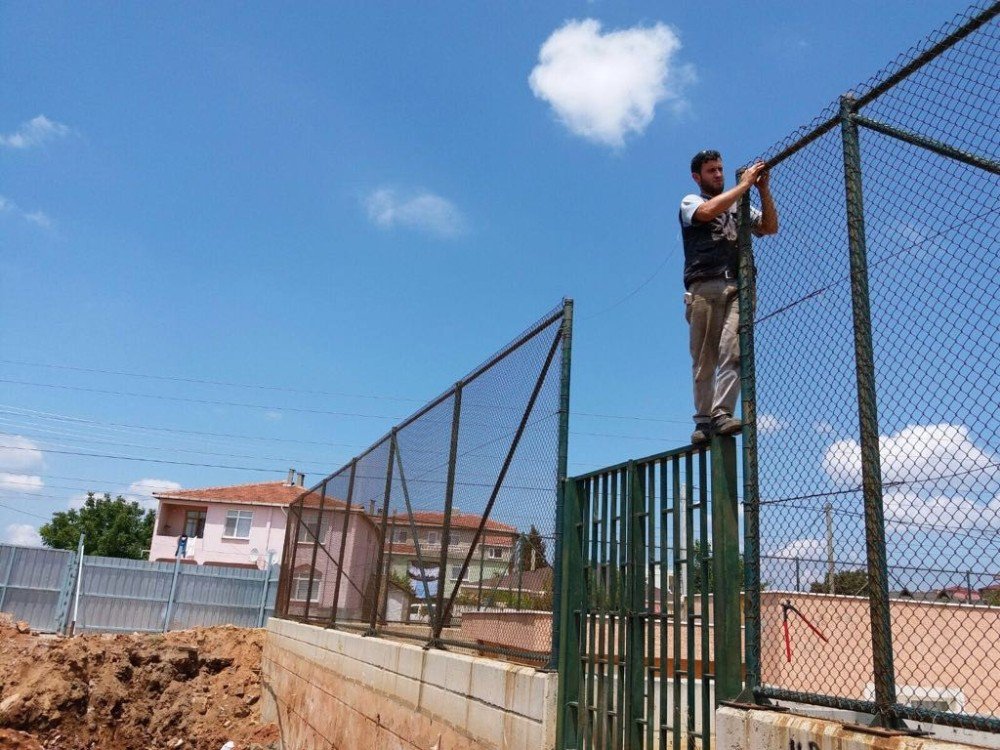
<point>355,205</point>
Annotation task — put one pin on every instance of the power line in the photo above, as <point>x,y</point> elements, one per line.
<point>206,381</point>
<point>201,401</point>
<point>280,388</point>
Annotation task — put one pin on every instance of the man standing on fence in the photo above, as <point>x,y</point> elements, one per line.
<point>711,302</point>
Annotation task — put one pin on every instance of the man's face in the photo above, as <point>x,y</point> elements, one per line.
<point>711,179</point>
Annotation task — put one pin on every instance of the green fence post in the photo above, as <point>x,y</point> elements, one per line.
<point>566,343</point>
<point>751,486</point>
<point>635,594</point>
<point>571,605</point>
<point>871,468</point>
<point>383,540</point>
<point>725,564</point>
<point>437,622</point>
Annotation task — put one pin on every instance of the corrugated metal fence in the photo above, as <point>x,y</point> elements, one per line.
<point>39,585</point>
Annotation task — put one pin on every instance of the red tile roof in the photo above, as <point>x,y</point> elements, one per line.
<point>263,493</point>
<point>458,521</point>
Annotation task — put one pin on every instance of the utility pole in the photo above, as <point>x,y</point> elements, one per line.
<point>828,510</point>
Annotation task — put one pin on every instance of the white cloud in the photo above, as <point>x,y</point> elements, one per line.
<point>38,218</point>
<point>940,512</point>
<point>421,210</point>
<point>823,428</point>
<point>606,86</point>
<point>142,491</point>
<point>34,132</point>
<point>273,415</point>
<point>941,454</point>
<point>803,548</point>
<point>768,423</point>
<point>18,453</point>
<point>23,534</point>
<point>13,483</point>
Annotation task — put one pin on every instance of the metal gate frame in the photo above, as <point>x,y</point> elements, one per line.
<point>624,528</point>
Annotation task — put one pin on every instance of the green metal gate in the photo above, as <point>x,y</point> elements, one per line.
<point>650,609</point>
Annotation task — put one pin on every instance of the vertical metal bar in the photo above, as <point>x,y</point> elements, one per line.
<point>66,587</point>
<point>570,612</point>
<point>437,622</point>
<point>170,598</point>
<point>343,544</point>
<point>380,556</point>
<point>677,515</point>
<point>871,469</point>
<point>620,543</point>
<point>665,579</point>
<point>635,569</point>
<point>798,579</point>
<point>651,617</point>
<point>751,485</point>
<point>263,596</point>
<point>597,606</point>
<point>707,619</point>
<point>316,545</point>
<point>80,547</point>
<point>562,458</point>
<point>725,564</point>
<point>690,672</point>
<point>605,658</point>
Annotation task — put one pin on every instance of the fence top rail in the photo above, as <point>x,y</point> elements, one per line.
<point>687,450</point>
<point>904,65</point>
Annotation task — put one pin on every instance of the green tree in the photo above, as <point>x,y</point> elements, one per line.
<point>846,583</point>
<point>112,528</point>
<point>533,551</point>
<point>702,551</point>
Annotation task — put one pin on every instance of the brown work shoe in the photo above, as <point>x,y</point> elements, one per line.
<point>727,425</point>
<point>702,433</point>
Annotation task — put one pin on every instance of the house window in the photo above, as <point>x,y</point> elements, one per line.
<point>433,537</point>
<point>456,571</point>
<point>496,553</point>
<point>300,586</point>
<point>308,533</point>
<point>194,523</point>
<point>400,535</point>
<point>238,524</point>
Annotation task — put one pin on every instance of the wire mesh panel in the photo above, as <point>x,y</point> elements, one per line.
<point>875,382</point>
<point>444,530</point>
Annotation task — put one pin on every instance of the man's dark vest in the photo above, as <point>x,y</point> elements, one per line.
<point>710,249</point>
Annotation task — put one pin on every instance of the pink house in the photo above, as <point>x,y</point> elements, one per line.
<point>242,525</point>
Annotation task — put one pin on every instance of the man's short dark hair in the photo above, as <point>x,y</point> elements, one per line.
<point>703,156</point>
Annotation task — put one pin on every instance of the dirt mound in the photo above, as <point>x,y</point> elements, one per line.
<point>183,690</point>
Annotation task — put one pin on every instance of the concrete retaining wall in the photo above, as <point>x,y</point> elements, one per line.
<point>770,730</point>
<point>331,690</point>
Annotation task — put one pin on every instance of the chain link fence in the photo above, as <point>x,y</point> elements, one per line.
<point>870,384</point>
<point>444,530</point>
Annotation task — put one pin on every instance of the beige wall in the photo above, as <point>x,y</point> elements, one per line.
<point>333,690</point>
<point>936,645</point>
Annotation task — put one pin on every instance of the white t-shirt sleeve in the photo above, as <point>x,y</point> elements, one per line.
<point>688,206</point>
<point>755,217</point>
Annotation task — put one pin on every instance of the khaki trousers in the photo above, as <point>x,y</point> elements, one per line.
<point>713,314</point>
